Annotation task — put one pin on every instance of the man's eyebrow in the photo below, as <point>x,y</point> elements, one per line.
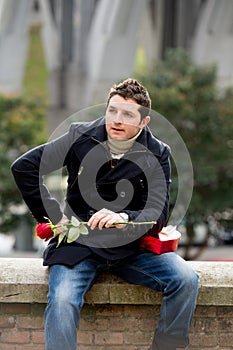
<point>111,106</point>
<point>123,110</point>
<point>129,112</point>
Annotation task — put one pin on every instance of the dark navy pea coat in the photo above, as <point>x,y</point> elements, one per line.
<point>137,184</point>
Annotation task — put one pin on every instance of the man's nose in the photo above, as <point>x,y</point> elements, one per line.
<point>118,118</point>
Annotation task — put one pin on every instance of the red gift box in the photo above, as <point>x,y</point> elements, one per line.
<point>167,241</point>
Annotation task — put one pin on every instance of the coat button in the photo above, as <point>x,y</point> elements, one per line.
<point>122,194</point>
<point>141,183</point>
<point>91,212</point>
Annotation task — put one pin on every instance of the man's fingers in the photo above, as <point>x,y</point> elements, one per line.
<point>96,218</point>
<point>104,218</point>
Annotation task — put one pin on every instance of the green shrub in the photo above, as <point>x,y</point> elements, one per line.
<point>22,126</point>
<point>187,96</point>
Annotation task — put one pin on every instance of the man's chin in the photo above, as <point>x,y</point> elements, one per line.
<point>118,136</point>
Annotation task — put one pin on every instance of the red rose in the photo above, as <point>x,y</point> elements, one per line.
<point>44,231</point>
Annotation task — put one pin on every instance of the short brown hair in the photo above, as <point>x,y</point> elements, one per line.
<point>131,88</point>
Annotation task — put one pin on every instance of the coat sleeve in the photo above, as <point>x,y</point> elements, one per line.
<point>156,199</point>
<point>29,170</point>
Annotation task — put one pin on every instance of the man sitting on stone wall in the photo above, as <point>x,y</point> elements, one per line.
<point>118,173</point>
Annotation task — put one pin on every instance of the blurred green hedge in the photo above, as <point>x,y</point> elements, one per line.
<point>187,95</point>
<point>22,126</point>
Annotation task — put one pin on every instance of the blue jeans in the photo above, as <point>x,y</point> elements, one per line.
<point>167,273</point>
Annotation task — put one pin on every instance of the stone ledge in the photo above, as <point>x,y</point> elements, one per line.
<point>25,281</point>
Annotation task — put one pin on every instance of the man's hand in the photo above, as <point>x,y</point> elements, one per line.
<point>105,218</point>
<point>64,220</point>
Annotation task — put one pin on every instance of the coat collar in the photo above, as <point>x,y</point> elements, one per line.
<point>97,131</point>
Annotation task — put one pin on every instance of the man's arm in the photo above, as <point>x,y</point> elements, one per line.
<point>156,203</point>
<point>107,218</point>
<point>157,199</point>
<point>28,172</point>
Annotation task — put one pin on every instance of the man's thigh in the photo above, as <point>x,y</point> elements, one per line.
<point>154,271</point>
<point>72,282</point>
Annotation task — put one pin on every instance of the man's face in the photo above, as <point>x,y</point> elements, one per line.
<point>123,119</point>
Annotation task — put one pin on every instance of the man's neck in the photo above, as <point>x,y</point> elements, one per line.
<point>120,147</point>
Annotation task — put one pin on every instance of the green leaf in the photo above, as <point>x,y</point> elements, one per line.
<point>74,221</point>
<point>73,234</point>
<point>60,238</point>
<point>83,229</point>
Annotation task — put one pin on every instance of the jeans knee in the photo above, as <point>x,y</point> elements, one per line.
<point>189,282</point>
<point>185,281</point>
<point>61,306</point>
<point>63,297</point>
<point>192,279</point>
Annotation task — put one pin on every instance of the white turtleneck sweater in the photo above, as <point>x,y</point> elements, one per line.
<point>119,147</point>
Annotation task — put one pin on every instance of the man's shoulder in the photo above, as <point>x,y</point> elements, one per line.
<point>88,125</point>
<point>155,145</point>
<point>86,129</point>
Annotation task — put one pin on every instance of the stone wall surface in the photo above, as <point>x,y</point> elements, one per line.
<point>116,315</point>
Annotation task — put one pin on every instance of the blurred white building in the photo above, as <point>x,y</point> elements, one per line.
<point>91,44</point>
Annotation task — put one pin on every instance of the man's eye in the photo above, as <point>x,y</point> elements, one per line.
<point>111,110</point>
<point>127,114</point>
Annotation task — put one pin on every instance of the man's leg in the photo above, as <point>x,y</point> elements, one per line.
<point>175,278</point>
<point>67,287</point>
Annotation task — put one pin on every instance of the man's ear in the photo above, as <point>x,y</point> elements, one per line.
<point>145,121</point>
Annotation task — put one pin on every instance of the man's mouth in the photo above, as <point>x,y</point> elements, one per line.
<point>117,129</point>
